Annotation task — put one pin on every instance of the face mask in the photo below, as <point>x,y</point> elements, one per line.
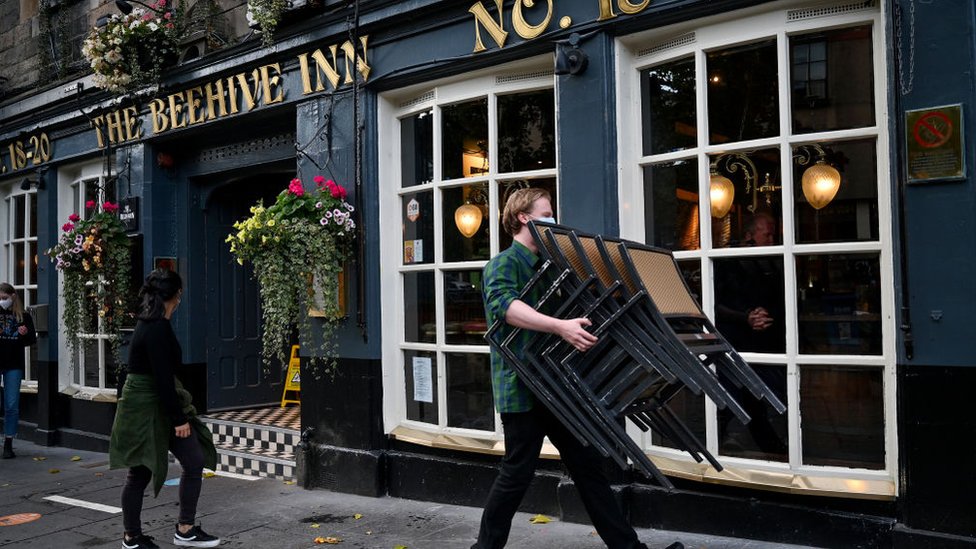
<point>6,303</point>
<point>546,219</point>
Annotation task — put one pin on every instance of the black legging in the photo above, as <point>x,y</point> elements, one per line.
<point>190,455</point>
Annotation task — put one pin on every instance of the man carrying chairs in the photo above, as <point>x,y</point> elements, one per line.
<point>525,420</point>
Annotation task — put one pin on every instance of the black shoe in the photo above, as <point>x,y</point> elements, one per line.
<point>196,537</point>
<point>139,542</point>
<point>8,448</point>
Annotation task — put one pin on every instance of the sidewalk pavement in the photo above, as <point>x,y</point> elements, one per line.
<point>263,513</point>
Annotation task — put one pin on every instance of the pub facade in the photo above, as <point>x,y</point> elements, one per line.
<point>804,160</point>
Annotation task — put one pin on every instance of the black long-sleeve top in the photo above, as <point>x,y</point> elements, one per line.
<point>154,350</point>
<point>11,342</point>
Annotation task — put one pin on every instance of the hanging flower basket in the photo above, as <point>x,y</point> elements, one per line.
<point>131,51</point>
<point>298,246</point>
<point>93,255</point>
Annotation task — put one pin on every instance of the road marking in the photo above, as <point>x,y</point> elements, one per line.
<point>85,504</point>
<point>231,475</point>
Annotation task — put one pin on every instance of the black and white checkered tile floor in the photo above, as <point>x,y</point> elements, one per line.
<point>257,442</point>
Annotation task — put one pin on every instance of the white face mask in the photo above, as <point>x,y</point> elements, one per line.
<point>7,303</point>
<point>544,219</point>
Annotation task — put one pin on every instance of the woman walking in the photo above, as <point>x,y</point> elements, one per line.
<point>16,333</point>
<point>155,415</point>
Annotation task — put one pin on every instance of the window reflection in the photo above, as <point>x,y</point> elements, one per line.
<point>420,375</point>
<point>832,80</point>
<point>842,414</point>
<point>750,305</point>
<point>526,131</point>
<point>464,139</point>
<point>690,409</point>
<point>469,396</point>
<point>839,304</point>
<point>419,324</point>
<point>766,436</point>
<point>691,272</point>
<point>464,312</point>
<point>743,88</point>
<point>668,107</point>
<point>417,149</point>
<point>671,217</point>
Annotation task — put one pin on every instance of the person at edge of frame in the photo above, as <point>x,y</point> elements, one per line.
<point>155,415</point>
<point>16,333</point>
<point>525,422</point>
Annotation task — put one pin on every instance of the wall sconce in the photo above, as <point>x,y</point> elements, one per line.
<point>721,191</point>
<point>570,59</point>
<point>469,215</point>
<point>821,181</point>
<point>36,181</point>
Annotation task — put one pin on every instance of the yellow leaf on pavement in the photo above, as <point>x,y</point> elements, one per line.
<point>313,526</point>
<point>75,458</point>
<point>540,519</point>
<point>399,547</point>
<point>54,471</point>
<point>39,458</point>
<point>209,474</point>
<point>329,540</point>
<point>357,516</point>
<point>289,482</point>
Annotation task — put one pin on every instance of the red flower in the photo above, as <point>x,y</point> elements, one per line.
<point>319,181</point>
<point>109,207</point>
<point>169,26</point>
<point>296,188</point>
<point>67,227</point>
<point>147,17</point>
<point>167,16</point>
<point>74,218</point>
<point>90,204</point>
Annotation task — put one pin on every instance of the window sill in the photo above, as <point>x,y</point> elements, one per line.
<point>90,393</point>
<point>28,387</point>
<point>792,483</point>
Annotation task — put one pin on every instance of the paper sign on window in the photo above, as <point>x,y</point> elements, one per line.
<point>423,386</point>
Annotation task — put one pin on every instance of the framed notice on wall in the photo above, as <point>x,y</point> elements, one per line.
<point>934,144</point>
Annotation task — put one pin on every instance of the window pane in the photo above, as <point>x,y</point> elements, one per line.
<point>755,212</point>
<point>419,323</point>
<point>743,101</point>
<point>766,436</point>
<point>91,193</point>
<point>671,205</point>
<point>466,208</point>
<point>464,312</point>
<point>19,263</point>
<point>32,206</point>
<point>32,266</point>
<point>526,131</point>
<point>417,149</point>
<point>420,374</point>
<point>19,212</point>
<point>668,107</point>
<point>464,139</point>
<point>842,415</point>
<point>469,400</point>
<point>750,304</point>
<point>833,86</point>
<point>839,304</point>
<point>691,410</point>
<point>89,362</point>
<point>506,188</point>
<point>691,271</point>
<point>852,214</point>
<point>417,211</point>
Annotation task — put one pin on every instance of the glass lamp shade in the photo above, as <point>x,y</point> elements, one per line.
<point>820,184</point>
<point>468,219</point>
<point>721,192</point>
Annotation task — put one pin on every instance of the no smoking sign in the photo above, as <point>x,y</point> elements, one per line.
<point>934,144</point>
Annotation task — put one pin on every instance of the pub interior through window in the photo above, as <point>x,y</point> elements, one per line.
<point>20,251</point>
<point>763,167</point>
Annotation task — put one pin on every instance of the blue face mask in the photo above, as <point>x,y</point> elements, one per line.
<point>546,219</point>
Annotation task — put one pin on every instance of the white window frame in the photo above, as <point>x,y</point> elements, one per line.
<point>694,39</point>
<point>8,220</point>
<point>530,75</point>
<point>71,199</point>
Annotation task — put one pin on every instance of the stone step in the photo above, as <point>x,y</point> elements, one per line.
<point>254,450</point>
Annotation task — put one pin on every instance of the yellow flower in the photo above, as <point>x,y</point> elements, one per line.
<point>240,261</point>
<point>271,222</point>
<point>264,240</point>
<point>229,238</point>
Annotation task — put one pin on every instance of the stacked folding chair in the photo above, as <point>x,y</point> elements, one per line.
<point>654,340</point>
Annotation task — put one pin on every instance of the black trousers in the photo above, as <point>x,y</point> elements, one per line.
<point>190,455</point>
<point>524,433</point>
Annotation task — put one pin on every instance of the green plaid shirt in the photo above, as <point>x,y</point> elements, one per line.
<point>504,277</point>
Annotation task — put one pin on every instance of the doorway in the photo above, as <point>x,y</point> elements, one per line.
<point>236,376</point>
